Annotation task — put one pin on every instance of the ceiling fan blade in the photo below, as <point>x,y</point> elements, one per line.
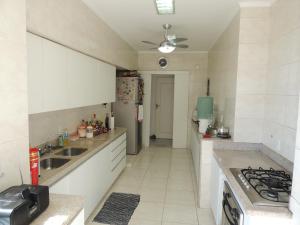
<point>149,42</point>
<point>181,46</point>
<point>177,40</point>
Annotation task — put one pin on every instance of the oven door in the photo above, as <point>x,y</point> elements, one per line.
<point>232,213</point>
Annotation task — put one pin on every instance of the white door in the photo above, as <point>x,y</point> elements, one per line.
<point>164,107</point>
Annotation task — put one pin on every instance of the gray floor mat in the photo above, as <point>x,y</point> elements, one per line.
<point>118,209</point>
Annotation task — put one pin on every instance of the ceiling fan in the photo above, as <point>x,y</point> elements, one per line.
<point>170,42</point>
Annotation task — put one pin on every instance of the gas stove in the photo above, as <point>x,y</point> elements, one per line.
<point>265,187</point>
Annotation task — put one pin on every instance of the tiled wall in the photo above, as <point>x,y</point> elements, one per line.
<point>283,78</point>
<point>72,23</point>
<point>295,199</point>
<point>45,127</point>
<point>222,71</point>
<point>13,94</point>
<point>251,74</point>
<point>194,62</point>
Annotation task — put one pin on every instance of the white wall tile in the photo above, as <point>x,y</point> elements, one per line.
<point>295,208</point>
<point>248,130</point>
<point>291,111</point>
<point>250,106</point>
<point>296,177</point>
<point>294,79</point>
<point>57,121</point>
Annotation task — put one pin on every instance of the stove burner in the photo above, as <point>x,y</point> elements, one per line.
<point>272,194</point>
<point>273,183</point>
<point>270,184</point>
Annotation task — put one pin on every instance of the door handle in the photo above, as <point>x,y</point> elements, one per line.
<point>157,106</point>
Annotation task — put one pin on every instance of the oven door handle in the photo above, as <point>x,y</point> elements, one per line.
<point>226,203</point>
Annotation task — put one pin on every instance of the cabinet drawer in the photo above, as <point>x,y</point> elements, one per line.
<point>117,142</point>
<point>118,168</point>
<point>115,161</point>
<point>117,150</point>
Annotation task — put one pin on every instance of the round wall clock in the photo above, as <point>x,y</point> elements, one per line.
<point>163,62</point>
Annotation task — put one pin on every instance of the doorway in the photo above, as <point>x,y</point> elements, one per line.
<point>162,110</point>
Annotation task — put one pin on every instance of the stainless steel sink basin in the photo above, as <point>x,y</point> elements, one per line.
<point>71,151</point>
<point>53,163</point>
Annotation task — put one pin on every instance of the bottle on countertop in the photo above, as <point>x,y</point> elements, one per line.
<point>82,129</point>
<point>66,137</point>
<point>112,121</point>
<point>107,121</point>
<point>61,140</point>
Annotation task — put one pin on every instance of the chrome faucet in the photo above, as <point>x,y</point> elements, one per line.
<point>46,149</point>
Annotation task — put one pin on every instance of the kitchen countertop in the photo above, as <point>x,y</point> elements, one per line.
<point>62,210</point>
<point>242,159</point>
<point>94,145</point>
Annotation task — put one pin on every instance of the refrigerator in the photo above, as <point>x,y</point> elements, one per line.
<point>128,110</point>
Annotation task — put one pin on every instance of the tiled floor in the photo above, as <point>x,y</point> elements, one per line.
<point>161,142</point>
<point>164,179</point>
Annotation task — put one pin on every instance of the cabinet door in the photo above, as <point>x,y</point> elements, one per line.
<point>61,187</point>
<point>195,146</point>
<point>55,76</point>
<point>35,73</point>
<point>80,70</point>
<point>107,83</point>
<point>79,219</point>
<point>217,185</point>
<point>91,180</point>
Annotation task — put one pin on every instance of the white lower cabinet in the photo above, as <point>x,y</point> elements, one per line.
<point>217,185</point>
<point>79,219</point>
<point>93,178</point>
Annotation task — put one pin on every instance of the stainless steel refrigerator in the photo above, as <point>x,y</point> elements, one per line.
<point>129,112</point>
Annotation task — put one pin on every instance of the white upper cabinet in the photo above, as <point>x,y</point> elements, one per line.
<point>54,75</point>
<point>61,78</point>
<point>35,74</point>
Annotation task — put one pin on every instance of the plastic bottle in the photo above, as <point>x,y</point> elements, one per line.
<point>107,122</point>
<point>66,137</point>
<point>112,121</point>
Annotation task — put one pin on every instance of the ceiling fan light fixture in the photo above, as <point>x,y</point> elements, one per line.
<point>166,48</point>
<point>165,7</point>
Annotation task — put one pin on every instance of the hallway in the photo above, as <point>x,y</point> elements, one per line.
<point>164,179</point>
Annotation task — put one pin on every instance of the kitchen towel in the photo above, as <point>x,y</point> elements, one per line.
<point>118,209</point>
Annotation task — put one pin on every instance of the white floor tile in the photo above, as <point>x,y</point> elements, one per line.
<point>180,197</point>
<point>205,217</point>
<point>164,179</point>
<point>152,195</point>
<point>180,214</point>
<point>148,211</point>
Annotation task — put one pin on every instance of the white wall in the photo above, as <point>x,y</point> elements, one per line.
<point>295,199</point>
<point>193,62</point>
<point>45,127</point>
<point>72,23</point>
<point>222,71</point>
<point>283,78</point>
<point>251,74</point>
<point>14,148</point>
<point>267,81</point>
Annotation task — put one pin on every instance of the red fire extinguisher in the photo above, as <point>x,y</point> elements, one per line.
<point>34,165</point>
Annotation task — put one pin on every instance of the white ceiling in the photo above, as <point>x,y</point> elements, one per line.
<point>201,21</point>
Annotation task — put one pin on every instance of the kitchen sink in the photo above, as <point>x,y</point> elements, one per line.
<point>53,163</point>
<point>71,151</point>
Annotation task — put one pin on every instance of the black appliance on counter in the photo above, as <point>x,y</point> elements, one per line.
<point>19,205</point>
